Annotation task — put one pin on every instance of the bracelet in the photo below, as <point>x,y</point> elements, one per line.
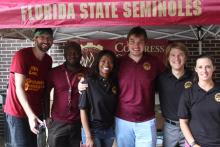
<point>192,143</point>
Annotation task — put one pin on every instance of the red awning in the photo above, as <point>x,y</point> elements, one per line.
<point>83,13</point>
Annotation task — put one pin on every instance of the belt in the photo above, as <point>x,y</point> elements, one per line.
<point>175,123</point>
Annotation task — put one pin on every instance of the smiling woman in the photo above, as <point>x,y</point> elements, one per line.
<point>98,103</point>
<point>105,66</point>
<point>199,110</point>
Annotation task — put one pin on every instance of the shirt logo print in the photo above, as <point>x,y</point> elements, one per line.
<point>146,66</point>
<point>33,70</point>
<point>33,85</point>
<point>188,84</point>
<point>114,90</point>
<point>217,97</point>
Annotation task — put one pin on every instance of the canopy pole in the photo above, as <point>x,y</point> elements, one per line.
<point>200,47</point>
<point>199,34</point>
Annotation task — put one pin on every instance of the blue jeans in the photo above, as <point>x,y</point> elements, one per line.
<point>20,133</point>
<point>102,137</point>
<point>135,134</point>
<point>172,136</point>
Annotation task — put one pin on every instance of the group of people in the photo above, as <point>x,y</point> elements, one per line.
<point>116,99</point>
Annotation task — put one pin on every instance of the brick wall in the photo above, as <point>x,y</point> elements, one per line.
<point>9,46</point>
<point>209,46</point>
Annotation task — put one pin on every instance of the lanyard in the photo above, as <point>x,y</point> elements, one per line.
<point>70,89</point>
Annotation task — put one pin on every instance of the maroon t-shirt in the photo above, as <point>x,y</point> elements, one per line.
<point>137,88</point>
<point>58,80</point>
<point>24,62</point>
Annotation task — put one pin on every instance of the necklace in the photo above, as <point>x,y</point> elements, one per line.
<point>70,83</point>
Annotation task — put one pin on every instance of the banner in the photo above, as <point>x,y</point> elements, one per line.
<point>90,48</point>
<point>84,13</point>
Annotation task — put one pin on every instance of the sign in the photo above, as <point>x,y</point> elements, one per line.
<point>63,13</point>
<point>90,48</point>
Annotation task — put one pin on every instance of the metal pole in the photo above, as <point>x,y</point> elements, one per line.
<point>199,39</point>
<point>200,47</point>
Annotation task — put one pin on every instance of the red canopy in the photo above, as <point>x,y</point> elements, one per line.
<point>64,13</point>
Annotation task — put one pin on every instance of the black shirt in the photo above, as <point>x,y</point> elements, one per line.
<point>100,100</point>
<point>203,111</point>
<point>170,89</point>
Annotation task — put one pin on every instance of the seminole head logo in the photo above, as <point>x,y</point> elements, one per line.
<point>147,66</point>
<point>89,51</point>
<point>188,84</point>
<point>217,97</point>
<point>114,90</point>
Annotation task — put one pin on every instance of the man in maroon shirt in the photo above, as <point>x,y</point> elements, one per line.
<point>135,117</point>
<point>25,93</point>
<point>65,128</point>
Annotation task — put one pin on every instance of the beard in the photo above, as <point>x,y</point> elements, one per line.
<point>44,47</point>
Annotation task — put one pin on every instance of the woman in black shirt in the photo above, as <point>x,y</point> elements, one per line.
<point>199,107</point>
<point>98,103</point>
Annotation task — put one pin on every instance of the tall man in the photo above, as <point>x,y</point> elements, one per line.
<point>171,84</point>
<point>65,128</point>
<point>135,117</point>
<point>25,93</point>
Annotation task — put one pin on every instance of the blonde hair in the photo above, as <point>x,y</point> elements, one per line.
<point>176,45</point>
